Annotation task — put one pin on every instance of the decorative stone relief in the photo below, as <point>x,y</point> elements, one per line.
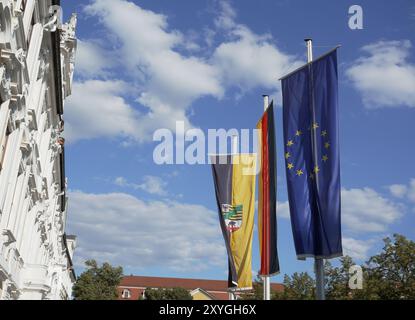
<point>42,192</point>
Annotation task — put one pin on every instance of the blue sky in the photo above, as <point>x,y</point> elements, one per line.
<point>142,65</point>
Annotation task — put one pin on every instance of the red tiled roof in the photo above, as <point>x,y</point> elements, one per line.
<point>158,282</point>
<point>277,287</point>
<point>190,284</point>
<point>220,295</point>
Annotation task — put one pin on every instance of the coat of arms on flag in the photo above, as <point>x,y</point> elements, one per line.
<point>235,198</point>
<point>232,216</point>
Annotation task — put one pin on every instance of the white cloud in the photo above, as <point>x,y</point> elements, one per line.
<point>148,51</point>
<point>127,231</point>
<point>250,60</point>
<point>365,210</point>
<point>121,181</point>
<point>385,77</point>
<point>398,190</point>
<point>96,108</point>
<point>171,81</point>
<point>411,190</point>
<point>283,209</point>
<point>404,191</point>
<point>154,185</point>
<point>226,15</point>
<point>151,184</point>
<point>357,249</point>
<point>91,60</point>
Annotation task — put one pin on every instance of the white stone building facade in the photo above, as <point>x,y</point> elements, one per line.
<point>37,54</point>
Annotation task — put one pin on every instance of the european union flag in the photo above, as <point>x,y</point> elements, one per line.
<point>311,134</point>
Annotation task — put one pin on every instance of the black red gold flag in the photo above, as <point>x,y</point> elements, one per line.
<point>267,197</point>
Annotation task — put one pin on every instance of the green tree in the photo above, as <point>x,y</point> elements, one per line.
<point>257,292</point>
<point>392,272</point>
<point>300,286</point>
<point>97,283</point>
<point>337,282</point>
<point>154,294</point>
<point>389,275</point>
<point>167,294</point>
<point>337,279</point>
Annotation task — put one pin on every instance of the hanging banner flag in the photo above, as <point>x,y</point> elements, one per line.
<point>234,178</point>
<point>267,197</point>
<point>311,138</point>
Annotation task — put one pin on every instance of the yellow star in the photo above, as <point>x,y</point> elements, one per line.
<point>290,143</point>
<point>298,133</point>
<point>315,125</point>
<point>327,145</point>
<point>290,166</point>
<point>325,158</point>
<point>299,172</point>
<point>324,133</point>
<point>316,169</point>
<point>287,155</point>
<point>311,175</point>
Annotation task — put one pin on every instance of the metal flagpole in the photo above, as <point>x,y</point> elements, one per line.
<point>234,144</point>
<point>231,296</point>
<point>319,270</point>
<point>234,151</point>
<point>309,43</point>
<point>266,278</point>
<point>318,262</point>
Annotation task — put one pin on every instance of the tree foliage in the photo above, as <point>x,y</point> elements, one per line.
<point>257,292</point>
<point>167,294</point>
<point>97,283</point>
<point>393,270</point>
<point>337,279</point>
<point>300,286</point>
<point>387,275</point>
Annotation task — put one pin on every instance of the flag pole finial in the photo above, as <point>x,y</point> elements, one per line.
<point>309,43</point>
<point>266,101</point>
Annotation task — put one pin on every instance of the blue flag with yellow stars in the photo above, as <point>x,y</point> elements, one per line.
<point>311,138</point>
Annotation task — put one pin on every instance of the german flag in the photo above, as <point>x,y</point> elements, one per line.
<point>234,178</point>
<point>267,198</point>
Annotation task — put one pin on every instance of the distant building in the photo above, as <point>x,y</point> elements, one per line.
<point>37,56</point>
<point>134,287</point>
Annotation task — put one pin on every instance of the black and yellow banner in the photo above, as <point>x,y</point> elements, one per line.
<point>234,178</point>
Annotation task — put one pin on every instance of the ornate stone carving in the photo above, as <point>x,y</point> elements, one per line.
<point>8,237</point>
<point>33,151</point>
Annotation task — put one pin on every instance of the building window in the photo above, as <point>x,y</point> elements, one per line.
<point>126,294</point>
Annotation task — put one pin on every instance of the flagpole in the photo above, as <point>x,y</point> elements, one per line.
<point>318,262</point>
<point>231,296</point>
<point>234,144</point>
<point>233,151</point>
<point>266,278</point>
